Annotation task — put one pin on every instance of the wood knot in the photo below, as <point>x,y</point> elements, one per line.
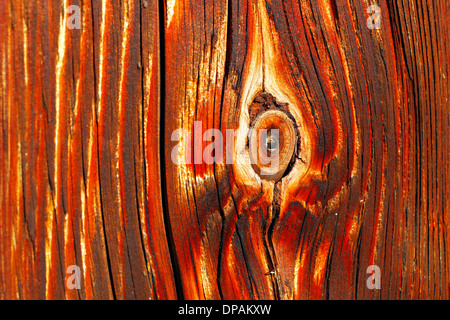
<point>273,138</point>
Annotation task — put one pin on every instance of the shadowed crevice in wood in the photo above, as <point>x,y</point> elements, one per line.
<point>169,234</point>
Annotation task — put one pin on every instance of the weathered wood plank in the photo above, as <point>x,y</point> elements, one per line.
<point>195,53</point>
<point>81,181</point>
<point>90,171</point>
<point>370,182</point>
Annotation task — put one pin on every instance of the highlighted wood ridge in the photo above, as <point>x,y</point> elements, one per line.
<point>114,116</point>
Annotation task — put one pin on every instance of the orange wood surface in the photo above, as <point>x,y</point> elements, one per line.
<point>87,171</point>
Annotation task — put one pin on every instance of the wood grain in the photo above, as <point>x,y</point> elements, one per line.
<point>81,183</point>
<point>87,170</point>
<point>371,180</point>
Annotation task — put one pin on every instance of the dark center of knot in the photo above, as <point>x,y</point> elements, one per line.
<point>273,137</point>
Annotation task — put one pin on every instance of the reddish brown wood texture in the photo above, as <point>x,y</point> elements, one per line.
<point>87,176</point>
<point>81,181</point>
